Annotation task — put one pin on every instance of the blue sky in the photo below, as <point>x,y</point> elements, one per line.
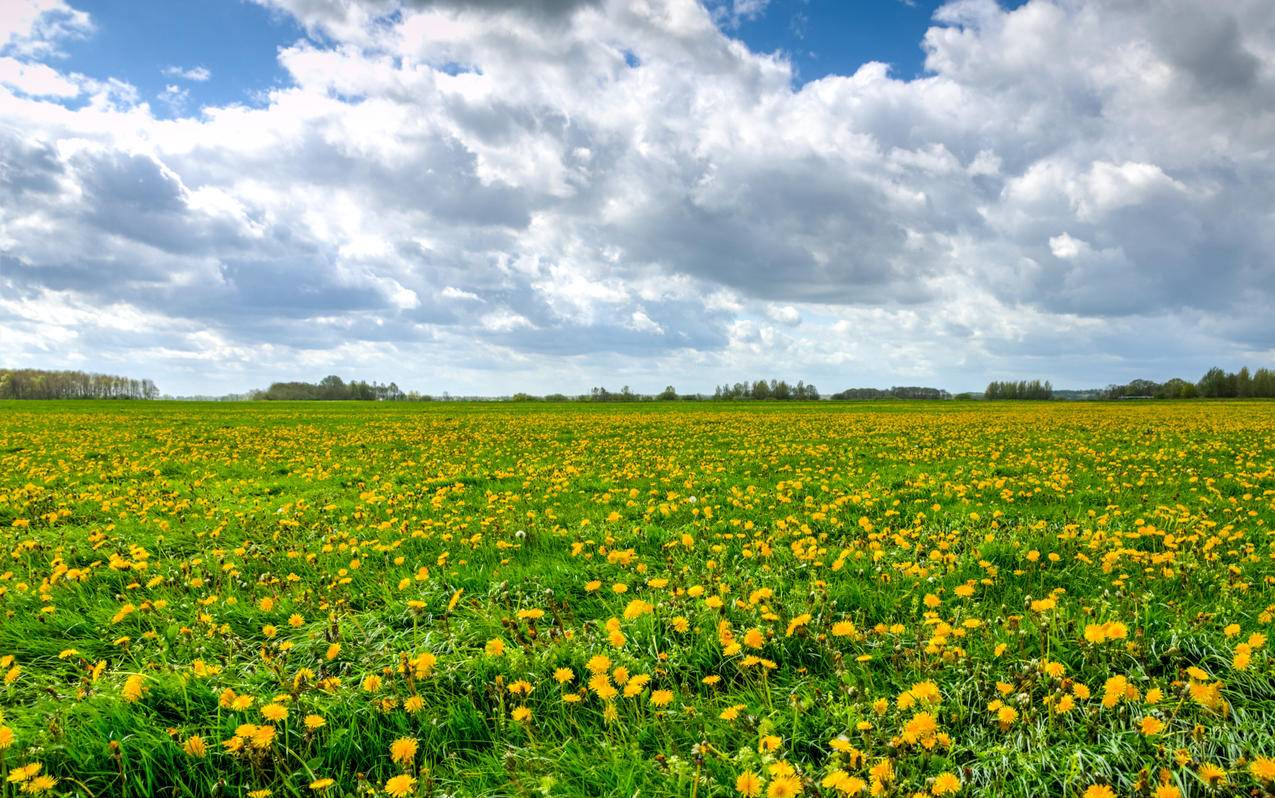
<point>141,41</point>
<point>224,193</point>
<point>147,42</point>
<point>824,37</point>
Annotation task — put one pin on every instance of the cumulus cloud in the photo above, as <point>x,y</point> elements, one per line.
<point>571,188</point>
<point>39,80</point>
<point>37,27</point>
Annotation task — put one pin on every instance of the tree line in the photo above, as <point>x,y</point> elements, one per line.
<point>1023,389</point>
<point>778,390</point>
<point>896,392</point>
<point>1215,384</point>
<point>43,384</point>
<point>333,388</point>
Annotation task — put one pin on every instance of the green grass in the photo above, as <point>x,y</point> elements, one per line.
<point>365,520</point>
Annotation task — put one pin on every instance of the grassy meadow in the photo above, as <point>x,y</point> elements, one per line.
<point>693,600</point>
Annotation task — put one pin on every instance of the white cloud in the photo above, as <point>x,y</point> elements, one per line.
<point>1064,246</point>
<point>36,79</point>
<point>35,27</point>
<point>784,314</point>
<point>174,97</point>
<point>198,74</point>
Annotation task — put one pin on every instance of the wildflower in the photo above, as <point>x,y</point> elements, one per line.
<point>263,737</point>
<point>195,746</point>
<point>797,623</point>
<point>748,784</point>
<point>1099,791</point>
<point>6,737</point>
<point>318,785</point>
<point>1005,716</point>
<point>134,687</point>
<point>495,647</point>
<point>274,712</point>
<point>1263,769</point>
<point>400,786</point>
<point>662,698</point>
<point>1151,725</point>
<point>1213,775</point>
<point>403,750</point>
<point>520,687</point>
<point>784,787</point>
<point>945,784</point>
<point>521,714</point>
<point>314,722</point>
<point>598,663</point>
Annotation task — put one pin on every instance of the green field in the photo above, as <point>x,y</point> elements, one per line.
<point>694,599</point>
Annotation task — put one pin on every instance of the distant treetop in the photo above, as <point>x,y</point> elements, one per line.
<point>41,384</point>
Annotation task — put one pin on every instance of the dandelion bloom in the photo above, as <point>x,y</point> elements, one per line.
<point>1262,769</point>
<point>133,688</point>
<point>400,786</point>
<point>6,737</point>
<point>403,750</point>
<point>748,784</point>
<point>784,787</point>
<point>1151,725</point>
<point>521,714</point>
<point>598,663</point>
<point>945,784</point>
<point>662,698</point>
<point>195,746</point>
<point>1006,715</point>
<point>321,784</point>
<point>1212,774</point>
<point>314,722</point>
<point>1099,791</point>
<point>495,647</point>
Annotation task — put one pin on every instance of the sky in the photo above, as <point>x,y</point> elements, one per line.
<point>489,196</point>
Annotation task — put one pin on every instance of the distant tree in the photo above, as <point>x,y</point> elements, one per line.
<point>669,394</point>
<point>1177,389</point>
<point>1023,389</point>
<point>41,384</point>
<point>1217,383</point>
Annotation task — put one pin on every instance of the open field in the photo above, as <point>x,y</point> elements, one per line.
<point>690,600</point>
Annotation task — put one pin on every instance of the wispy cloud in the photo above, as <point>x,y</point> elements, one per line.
<point>198,74</point>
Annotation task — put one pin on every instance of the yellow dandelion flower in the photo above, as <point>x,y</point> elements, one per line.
<point>403,750</point>
<point>400,786</point>
<point>748,784</point>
